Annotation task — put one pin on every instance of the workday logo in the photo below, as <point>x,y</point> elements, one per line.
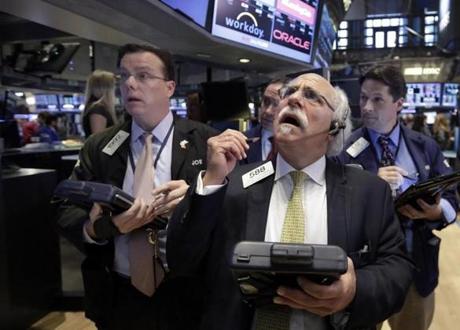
<point>245,22</point>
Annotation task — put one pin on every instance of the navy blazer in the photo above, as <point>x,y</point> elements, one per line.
<point>204,230</point>
<point>430,163</point>
<point>255,149</point>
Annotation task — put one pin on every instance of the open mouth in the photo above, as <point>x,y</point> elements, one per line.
<point>290,120</point>
<point>290,117</point>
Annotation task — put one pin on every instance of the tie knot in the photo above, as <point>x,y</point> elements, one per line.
<point>384,141</point>
<point>298,177</point>
<point>147,136</point>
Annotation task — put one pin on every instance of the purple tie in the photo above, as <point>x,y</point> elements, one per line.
<point>387,158</point>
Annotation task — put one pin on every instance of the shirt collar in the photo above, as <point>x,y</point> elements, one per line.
<point>266,134</point>
<point>393,136</point>
<point>316,171</point>
<point>159,132</point>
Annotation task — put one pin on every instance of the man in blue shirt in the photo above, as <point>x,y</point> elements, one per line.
<point>402,157</point>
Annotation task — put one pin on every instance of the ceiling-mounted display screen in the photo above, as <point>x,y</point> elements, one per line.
<point>450,95</point>
<point>196,10</point>
<point>423,95</point>
<point>284,27</point>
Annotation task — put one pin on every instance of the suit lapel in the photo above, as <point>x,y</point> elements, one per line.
<point>180,147</point>
<point>258,202</point>
<point>338,208</point>
<point>117,163</point>
<point>415,143</point>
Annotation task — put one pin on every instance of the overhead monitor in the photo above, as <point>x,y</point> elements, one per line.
<point>326,37</point>
<point>195,10</point>
<point>423,95</point>
<point>225,100</point>
<point>450,95</point>
<point>48,59</point>
<point>449,25</point>
<point>48,102</point>
<point>284,27</point>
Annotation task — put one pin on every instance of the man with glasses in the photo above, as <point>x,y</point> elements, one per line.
<point>403,157</point>
<point>124,268</point>
<point>262,135</point>
<point>301,198</point>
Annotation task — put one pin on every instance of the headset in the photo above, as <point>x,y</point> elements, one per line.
<point>337,125</point>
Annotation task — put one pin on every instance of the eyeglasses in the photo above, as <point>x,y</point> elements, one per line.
<point>308,94</point>
<point>141,77</point>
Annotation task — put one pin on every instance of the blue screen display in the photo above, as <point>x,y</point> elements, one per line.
<point>423,95</point>
<point>195,9</point>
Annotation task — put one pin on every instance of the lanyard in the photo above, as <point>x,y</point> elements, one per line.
<point>157,157</point>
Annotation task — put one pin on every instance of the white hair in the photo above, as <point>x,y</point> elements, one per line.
<point>342,114</point>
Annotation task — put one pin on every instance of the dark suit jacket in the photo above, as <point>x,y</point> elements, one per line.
<point>430,163</point>
<point>204,233</point>
<point>171,308</point>
<point>255,149</point>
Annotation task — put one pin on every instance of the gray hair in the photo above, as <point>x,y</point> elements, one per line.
<point>342,114</point>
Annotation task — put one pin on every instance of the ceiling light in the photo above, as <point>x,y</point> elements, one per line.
<point>245,60</point>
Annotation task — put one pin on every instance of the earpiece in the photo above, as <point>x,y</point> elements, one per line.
<point>336,126</point>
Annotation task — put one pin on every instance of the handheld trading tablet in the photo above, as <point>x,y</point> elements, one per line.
<point>261,267</point>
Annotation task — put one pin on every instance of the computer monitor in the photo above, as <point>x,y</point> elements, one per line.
<point>285,27</point>
<point>225,100</point>
<point>450,95</point>
<point>196,10</point>
<point>48,59</point>
<point>423,95</point>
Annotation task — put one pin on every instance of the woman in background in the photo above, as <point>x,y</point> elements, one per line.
<point>99,110</point>
<point>441,131</point>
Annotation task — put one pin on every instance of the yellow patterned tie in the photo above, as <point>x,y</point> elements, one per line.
<point>294,220</point>
<point>276,317</point>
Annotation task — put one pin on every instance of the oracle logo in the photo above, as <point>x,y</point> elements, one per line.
<point>290,39</point>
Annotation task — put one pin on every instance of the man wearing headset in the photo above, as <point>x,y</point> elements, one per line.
<point>403,157</point>
<point>228,204</point>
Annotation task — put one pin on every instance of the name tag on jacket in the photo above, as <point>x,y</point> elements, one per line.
<point>257,174</point>
<point>115,143</point>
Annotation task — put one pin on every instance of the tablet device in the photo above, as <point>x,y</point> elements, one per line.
<point>261,267</point>
<point>427,190</point>
<point>85,193</point>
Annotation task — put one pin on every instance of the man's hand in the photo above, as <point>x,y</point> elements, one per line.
<point>393,175</point>
<point>320,299</point>
<point>430,212</point>
<point>94,214</point>
<point>168,195</point>
<point>138,215</point>
<point>224,151</point>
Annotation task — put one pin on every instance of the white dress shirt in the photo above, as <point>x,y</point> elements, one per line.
<point>265,142</point>
<point>162,175</point>
<point>315,209</point>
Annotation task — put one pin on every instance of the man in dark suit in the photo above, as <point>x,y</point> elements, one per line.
<point>403,157</point>
<point>255,202</point>
<point>262,134</point>
<point>112,299</point>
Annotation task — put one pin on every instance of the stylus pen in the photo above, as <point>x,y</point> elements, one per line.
<point>252,140</point>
